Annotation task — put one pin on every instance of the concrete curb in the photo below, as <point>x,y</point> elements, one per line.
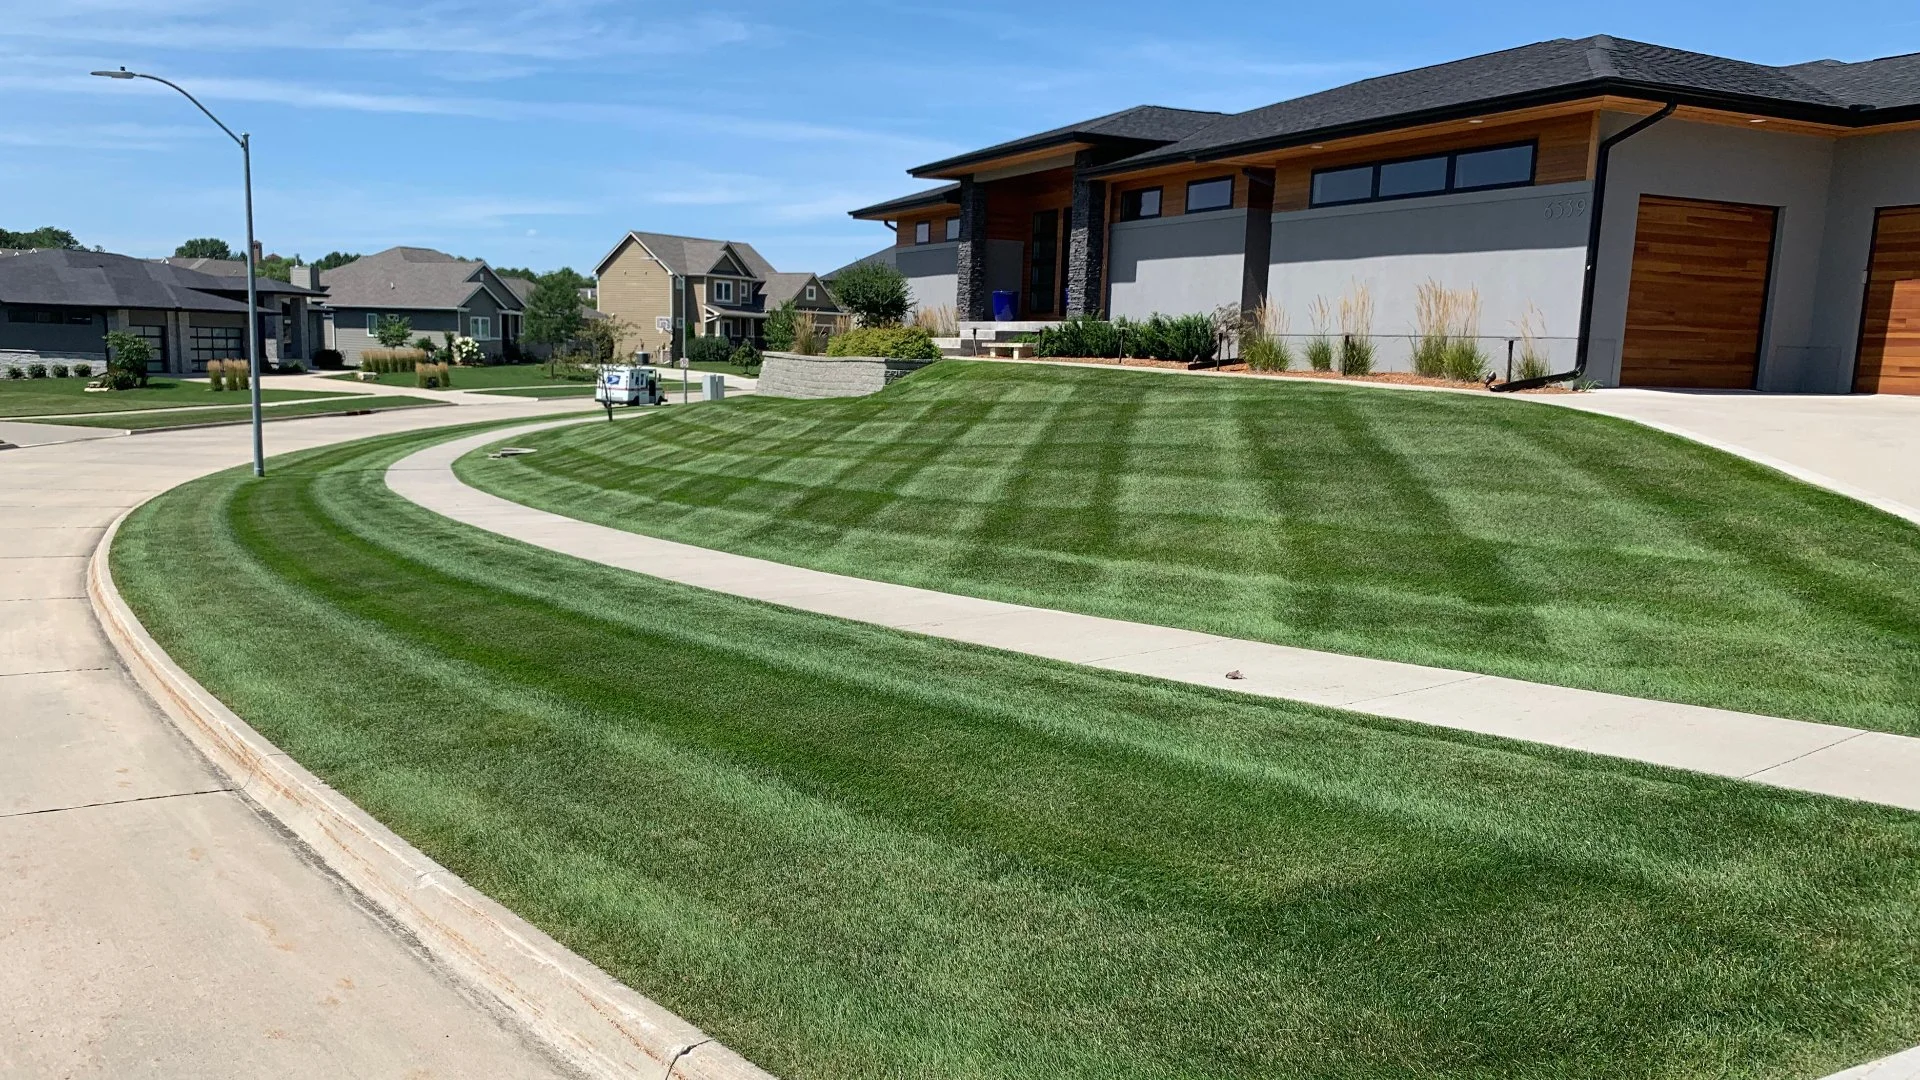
<point>592,1021</point>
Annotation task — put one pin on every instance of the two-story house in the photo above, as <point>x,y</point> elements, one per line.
<point>668,289</point>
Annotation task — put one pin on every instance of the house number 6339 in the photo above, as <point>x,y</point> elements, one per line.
<point>1566,208</point>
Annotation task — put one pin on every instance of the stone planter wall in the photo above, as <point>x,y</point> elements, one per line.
<point>796,376</point>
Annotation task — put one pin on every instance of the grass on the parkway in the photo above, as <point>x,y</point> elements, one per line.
<point>240,413</point>
<point>1463,531</point>
<point>58,397</point>
<point>491,376</point>
<point>853,853</point>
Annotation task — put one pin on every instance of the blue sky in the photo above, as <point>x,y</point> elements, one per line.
<point>534,132</point>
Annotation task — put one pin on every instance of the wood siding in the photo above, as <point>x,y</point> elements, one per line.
<point>936,219</point>
<point>1697,297</point>
<point>1564,153</point>
<point>636,289</point>
<point>1890,324</point>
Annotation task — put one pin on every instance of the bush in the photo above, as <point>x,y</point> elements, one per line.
<point>1320,354</point>
<point>1464,362</point>
<point>424,343</point>
<point>216,375</point>
<point>1264,352</point>
<point>57,371</point>
<point>392,331</point>
<point>231,373</point>
<point>876,294</point>
<point>290,367</point>
<point>15,373</point>
<point>708,350</point>
<point>36,370</point>
<point>1081,336</point>
<point>83,370</point>
<point>891,342</point>
<point>1356,355</point>
<point>1187,338</point>
<point>1430,356</point>
<point>746,357</point>
<point>428,375</point>
<point>329,358</point>
<point>777,330</point>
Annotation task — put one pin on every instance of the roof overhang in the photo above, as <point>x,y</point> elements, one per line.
<point>945,195</point>
<point>1015,154</point>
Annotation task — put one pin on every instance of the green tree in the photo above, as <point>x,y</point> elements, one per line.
<point>598,338</point>
<point>552,317</point>
<point>777,331</point>
<point>393,331</point>
<point>277,267</point>
<point>204,247</point>
<point>127,356</point>
<point>875,293</point>
<point>333,259</point>
<point>44,237</point>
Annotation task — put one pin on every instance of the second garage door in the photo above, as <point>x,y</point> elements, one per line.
<point>1890,326</point>
<point>1698,294</point>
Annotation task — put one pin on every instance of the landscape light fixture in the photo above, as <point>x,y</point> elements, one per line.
<point>253,300</point>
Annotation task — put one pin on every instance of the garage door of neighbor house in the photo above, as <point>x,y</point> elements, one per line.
<point>1698,294</point>
<point>1890,325</point>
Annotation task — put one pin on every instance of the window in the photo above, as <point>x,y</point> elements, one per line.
<point>480,326</point>
<point>953,228</point>
<point>1213,194</point>
<point>1465,170</point>
<point>373,323</point>
<point>1135,205</point>
<point>215,343</point>
<point>922,231</point>
<point>1046,259</point>
<point>156,339</point>
<point>1423,176</point>
<point>723,291</point>
<point>70,316</point>
<point>813,293</point>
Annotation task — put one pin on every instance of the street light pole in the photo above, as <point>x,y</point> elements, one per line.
<point>253,300</point>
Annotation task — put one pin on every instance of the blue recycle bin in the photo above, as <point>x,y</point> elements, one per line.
<point>1006,305</point>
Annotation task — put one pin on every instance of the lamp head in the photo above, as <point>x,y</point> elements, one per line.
<point>123,73</point>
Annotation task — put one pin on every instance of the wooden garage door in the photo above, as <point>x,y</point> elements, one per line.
<point>1890,325</point>
<point>1698,294</point>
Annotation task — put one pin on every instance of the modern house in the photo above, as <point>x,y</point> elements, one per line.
<point>435,292</point>
<point>60,305</point>
<point>1674,219</point>
<point>669,288</point>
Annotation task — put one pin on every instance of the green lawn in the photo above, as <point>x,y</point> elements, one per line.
<point>241,413</point>
<point>56,397</point>
<point>565,390</point>
<point>1468,532</point>
<point>852,853</point>
<point>491,377</point>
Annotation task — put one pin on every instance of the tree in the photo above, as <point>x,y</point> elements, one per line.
<point>204,247</point>
<point>599,338</point>
<point>277,267</point>
<point>552,317</point>
<point>393,331</point>
<point>333,259</point>
<point>44,237</point>
<point>777,331</point>
<point>127,356</point>
<point>875,293</point>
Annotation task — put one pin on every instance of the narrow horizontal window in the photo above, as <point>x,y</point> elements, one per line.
<point>1342,186</point>
<point>1463,170</point>
<point>1144,203</point>
<point>1213,194</point>
<point>1424,176</point>
<point>1493,168</point>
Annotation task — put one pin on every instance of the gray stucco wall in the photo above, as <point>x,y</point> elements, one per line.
<point>933,273</point>
<point>1518,247</point>
<point>349,333</point>
<point>1869,172</point>
<point>1176,265</point>
<point>54,341</point>
<point>1726,164</point>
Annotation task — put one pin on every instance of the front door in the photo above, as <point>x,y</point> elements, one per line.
<point>1043,268</point>
<point>1889,355</point>
<point>1698,294</point>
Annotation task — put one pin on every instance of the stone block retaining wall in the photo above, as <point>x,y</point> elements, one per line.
<point>796,376</point>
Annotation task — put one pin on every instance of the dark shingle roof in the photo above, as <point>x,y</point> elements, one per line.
<point>98,279</point>
<point>691,256</point>
<point>919,200</point>
<point>1562,69</point>
<point>413,278</point>
<point>1147,124</point>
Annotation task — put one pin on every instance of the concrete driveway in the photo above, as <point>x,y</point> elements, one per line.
<point>152,922</point>
<point>1863,445</point>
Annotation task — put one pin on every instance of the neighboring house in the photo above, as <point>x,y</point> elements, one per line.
<point>523,290</point>
<point>434,291</point>
<point>670,288</point>
<point>60,305</point>
<point>810,298</point>
<point>1764,233</point>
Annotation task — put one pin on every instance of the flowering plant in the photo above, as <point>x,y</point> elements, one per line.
<point>464,350</point>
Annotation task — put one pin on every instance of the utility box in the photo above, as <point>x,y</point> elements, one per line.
<point>620,385</point>
<point>712,387</point>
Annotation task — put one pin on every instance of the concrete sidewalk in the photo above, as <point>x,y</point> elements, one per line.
<point>153,923</point>
<point>1823,758</point>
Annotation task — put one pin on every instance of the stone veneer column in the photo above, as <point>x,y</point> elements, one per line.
<point>971,294</point>
<point>1087,242</point>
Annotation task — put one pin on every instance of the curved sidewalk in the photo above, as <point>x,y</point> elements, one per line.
<point>1821,758</point>
<point>154,923</point>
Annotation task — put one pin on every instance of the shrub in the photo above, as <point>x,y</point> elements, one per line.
<point>15,373</point>
<point>1433,318</point>
<point>290,367</point>
<point>83,370</point>
<point>1356,355</point>
<point>876,294</point>
<point>429,375</point>
<point>709,350</point>
<point>425,344</point>
<point>892,342</point>
<point>57,371</point>
<point>235,372</point>
<point>465,351</point>
<point>391,361</point>
<point>1320,354</point>
<point>1320,346</point>
<point>329,358</point>
<point>806,338</point>
<point>127,356</point>
<point>1465,362</point>
<point>1188,338</point>
<point>36,370</point>
<point>1082,335</point>
<point>1263,341</point>
<point>745,357</point>
<point>216,375</point>
<point>392,331</point>
<point>777,330</point>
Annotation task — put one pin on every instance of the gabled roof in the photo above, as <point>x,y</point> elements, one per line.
<point>1146,125</point>
<point>944,195</point>
<point>885,257</point>
<point>522,287</point>
<point>692,256</point>
<point>1876,91</point>
<point>101,280</point>
<point>780,288</point>
<point>414,279</point>
<point>234,271</point>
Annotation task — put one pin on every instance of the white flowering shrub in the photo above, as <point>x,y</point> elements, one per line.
<point>465,350</point>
